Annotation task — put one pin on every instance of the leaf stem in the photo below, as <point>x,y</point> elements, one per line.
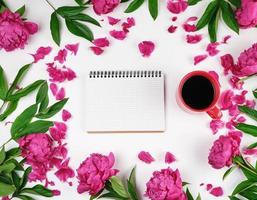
<point>2,106</point>
<point>48,2</point>
<point>245,167</point>
<point>6,143</point>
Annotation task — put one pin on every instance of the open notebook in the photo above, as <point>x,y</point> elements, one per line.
<point>125,101</point>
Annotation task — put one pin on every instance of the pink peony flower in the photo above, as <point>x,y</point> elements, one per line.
<point>37,149</point>
<point>165,185</point>
<point>145,157</point>
<point>146,48</point>
<point>94,172</point>
<point>177,6</point>
<point>14,31</point>
<point>247,15</point>
<point>224,149</point>
<point>112,21</point>
<point>104,6</point>
<point>169,158</point>
<point>247,61</point>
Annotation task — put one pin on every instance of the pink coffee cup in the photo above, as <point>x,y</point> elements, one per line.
<point>212,110</point>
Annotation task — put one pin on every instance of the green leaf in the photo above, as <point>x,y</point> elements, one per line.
<point>85,18</point>
<point>23,119</point>
<point>193,2</point>
<point>13,153</point>
<point>229,16</point>
<point>132,191</point>
<point>185,183</point>
<point>189,195</point>
<point>21,10</point>
<point>249,111</point>
<point>236,3</point>
<point>112,195</point>
<point>231,169</point>
<point>251,146</point>
<point>79,29</point>
<point>6,189</point>
<point>246,128</point>
<point>39,126</point>
<point>16,180</point>
<point>207,15</point>
<point>52,110</point>
<point>44,104</point>
<point>3,84</point>
<point>70,10</point>
<point>118,187</point>
<point>5,178</point>
<point>135,4</point>
<point>250,193</point>
<point>2,155</point>
<point>42,93</point>
<point>25,197</point>
<point>132,177</point>
<point>244,185</point>
<point>18,166</point>
<point>7,167</point>
<point>198,197</point>
<point>38,190</point>
<point>153,8</point>
<point>24,179</point>
<point>233,198</point>
<point>21,73</point>
<point>55,28</point>
<point>255,93</point>
<point>25,91</point>
<point>124,1</point>
<point>213,26</point>
<point>250,175</point>
<point>80,2</point>
<point>11,107</point>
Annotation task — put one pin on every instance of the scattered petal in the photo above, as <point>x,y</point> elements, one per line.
<point>119,35</point>
<point>169,158</point>
<point>56,192</point>
<point>66,115</point>
<point>41,53</point>
<point>217,192</point>
<point>60,94</point>
<point>174,18</point>
<point>215,76</point>
<point>97,50</point>
<point>61,56</point>
<point>227,62</point>
<point>101,42</point>
<point>225,101</point>
<point>177,7</point>
<point>236,83</point>
<point>112,21</point>
<point>209,186</point>
<point>146,48</point>
<point>73,48</point>
<point>128,24</point>
<point>199,58</point>
<point>145,157</point>
<point>53,88</point>
<point>65,172</point>
<point>212,48</point>
<point>250,103</point>
<point>172,29</point>
<point>216,124</point>
<point>225,39</point>
<point>193,39</point>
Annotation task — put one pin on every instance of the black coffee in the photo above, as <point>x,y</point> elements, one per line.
<point>198,92</point>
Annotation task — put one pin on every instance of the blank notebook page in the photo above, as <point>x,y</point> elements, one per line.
<point>125,101</point>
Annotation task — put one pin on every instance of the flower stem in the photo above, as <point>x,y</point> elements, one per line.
<point>2,106</point>
<point>48,2</point>
<point>6,143</point>
<point>247,77</point>
<point>245,167</point>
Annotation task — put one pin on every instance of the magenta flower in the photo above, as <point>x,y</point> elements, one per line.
<point>14,32</point>
<point>104,6</point>
<point>247,14</point>
<point>94,172</point>
<point>165,185</point>
<point>224,149</point>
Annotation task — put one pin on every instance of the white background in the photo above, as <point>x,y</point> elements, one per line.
<point>187,135</point>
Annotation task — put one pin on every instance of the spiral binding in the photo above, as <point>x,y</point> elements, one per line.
<point>125,74</point>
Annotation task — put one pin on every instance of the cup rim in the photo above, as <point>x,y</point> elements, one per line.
<point>214,83</point>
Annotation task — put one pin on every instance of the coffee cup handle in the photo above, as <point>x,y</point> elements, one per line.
<point>214,113</point>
